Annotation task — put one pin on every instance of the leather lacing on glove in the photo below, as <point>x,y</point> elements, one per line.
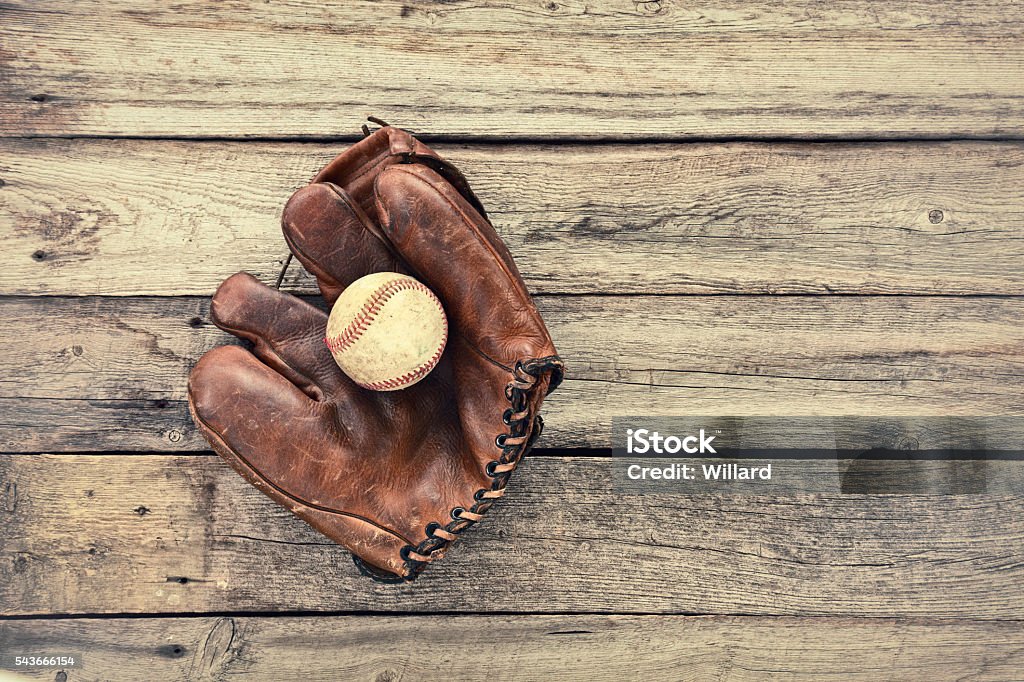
<point>514,446</point>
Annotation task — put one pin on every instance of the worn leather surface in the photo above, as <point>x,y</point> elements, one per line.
<point>395,477</point>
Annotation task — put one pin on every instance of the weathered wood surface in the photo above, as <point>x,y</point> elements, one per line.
<point>87,374</point>
<point>173,534</point>
<point>112,246</point>
<point>589,647</point>
<point>86,425</point>
<point>143,217</point>
<point>521,69</point>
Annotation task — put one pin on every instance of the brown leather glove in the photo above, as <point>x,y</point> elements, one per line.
<point>395,477</point>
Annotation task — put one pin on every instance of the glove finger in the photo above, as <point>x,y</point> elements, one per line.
<point>288,446</point>
<point>334,239</point>
<point>287,333</point>
<point>235,397</point>
<point>457,253</point>
<point>262,424</point>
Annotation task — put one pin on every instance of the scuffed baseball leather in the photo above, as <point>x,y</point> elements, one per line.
<point>395,477</point>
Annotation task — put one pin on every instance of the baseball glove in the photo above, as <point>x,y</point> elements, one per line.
<point>396,476</point>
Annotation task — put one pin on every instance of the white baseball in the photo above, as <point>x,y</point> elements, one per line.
<point>387,331</point>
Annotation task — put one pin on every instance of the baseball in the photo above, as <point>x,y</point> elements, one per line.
<point>387,331</point>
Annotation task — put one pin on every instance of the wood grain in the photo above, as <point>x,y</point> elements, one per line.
<point>114,377</point>
<point>144,217</point>
<point>590,647</point>
<point>518,69</point>
<point>172,534</point>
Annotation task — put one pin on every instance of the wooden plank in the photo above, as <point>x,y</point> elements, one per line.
<point>85,425</point>
<point>516,69</point>
<point>591,647</point>
<point>114,375</point>
<point>144,217</point>
<point>184,534</point>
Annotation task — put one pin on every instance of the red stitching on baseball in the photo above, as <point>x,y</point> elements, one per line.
<point>361,322</point>
<point>414,375</point>
<point>368,313</point>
